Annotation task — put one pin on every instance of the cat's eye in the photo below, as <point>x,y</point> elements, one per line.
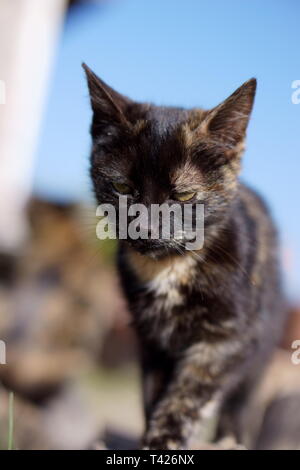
<point>122,188</point>
<point>185,196</point>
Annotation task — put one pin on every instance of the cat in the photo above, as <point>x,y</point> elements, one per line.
<point>207,320</point>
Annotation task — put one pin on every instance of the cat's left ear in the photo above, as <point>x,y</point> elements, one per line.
<point>228,121</point>
<point>109,106</point>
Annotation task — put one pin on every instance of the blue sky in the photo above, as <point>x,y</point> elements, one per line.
<point>190,53</point>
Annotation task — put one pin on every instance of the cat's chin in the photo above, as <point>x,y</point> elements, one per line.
<point>154,248</point>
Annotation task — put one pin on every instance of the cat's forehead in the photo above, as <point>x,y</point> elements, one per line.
<point>163,120</point>
<point>162,158</point>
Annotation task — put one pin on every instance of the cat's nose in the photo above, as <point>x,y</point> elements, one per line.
<point>146,227</point>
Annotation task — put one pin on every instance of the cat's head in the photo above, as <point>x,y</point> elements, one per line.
<point>157,155</point>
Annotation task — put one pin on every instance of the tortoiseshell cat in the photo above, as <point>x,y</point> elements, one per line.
<point>207,322</point>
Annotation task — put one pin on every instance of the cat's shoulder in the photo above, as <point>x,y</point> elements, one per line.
<point>255,212</point>
<point>250,198</point>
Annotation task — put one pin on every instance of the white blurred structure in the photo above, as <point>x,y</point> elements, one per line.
<point>28,33</point>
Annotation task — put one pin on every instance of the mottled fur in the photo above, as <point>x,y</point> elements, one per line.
<point>207,321</point>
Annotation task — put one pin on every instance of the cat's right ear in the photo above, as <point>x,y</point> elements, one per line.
<point>108,105</point>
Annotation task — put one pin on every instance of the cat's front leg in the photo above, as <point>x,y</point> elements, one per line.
<point>188,399</point>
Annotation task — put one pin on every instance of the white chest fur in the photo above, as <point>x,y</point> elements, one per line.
<point>166,283</point>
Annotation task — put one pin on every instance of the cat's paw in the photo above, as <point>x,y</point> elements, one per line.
<point>161,442</point>
<point>230,443</point>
